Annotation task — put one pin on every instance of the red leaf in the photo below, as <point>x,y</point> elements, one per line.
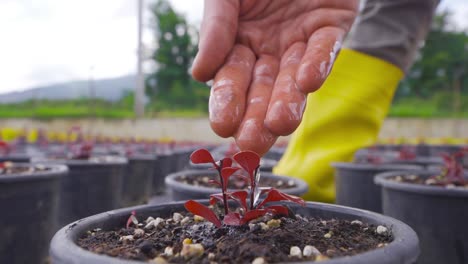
<point>226,162</point>
<point>253,214</point>
<point>197,208</point>
<point>131,219</point>
<point>216,197</point>
<point>248,160</point>
<point>240,197</point>
<point>5,147</point>
<point>233,219</point>
<point>202,156</point>
<point>278,209</point>
<point>226,173</point>
<point>275,196</point>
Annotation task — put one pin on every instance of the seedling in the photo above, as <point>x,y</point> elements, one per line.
<point>82,150</point>
<point>452,170</point>
<point>406,153</point>
<point>251,208</point>
<point>4,148</point>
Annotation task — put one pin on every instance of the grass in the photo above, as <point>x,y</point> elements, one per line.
<point>439,106</point>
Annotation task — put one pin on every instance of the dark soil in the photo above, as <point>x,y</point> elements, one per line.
<point>235,182</point>
<point>432,181</point>
<point>9,168</point>
<point>197,241</point>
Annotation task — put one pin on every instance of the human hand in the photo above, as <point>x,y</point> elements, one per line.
<point>265,57</point>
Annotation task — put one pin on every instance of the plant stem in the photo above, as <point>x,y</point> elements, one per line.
<point>226,210</point>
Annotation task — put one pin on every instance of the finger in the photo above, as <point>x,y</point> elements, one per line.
<point>315,66</point>
<point>287,102</point>
<point>217,35</point>
<point>227,97</point>
<point>252,133</point>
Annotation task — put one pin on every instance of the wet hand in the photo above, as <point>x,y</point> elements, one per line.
<point>265,57</point>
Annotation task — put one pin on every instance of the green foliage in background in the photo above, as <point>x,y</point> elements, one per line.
<point>437,84</point>
<point>171,87</point>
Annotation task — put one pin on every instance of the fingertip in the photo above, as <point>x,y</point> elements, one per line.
<point>310,78</point>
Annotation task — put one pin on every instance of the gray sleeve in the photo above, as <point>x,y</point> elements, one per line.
<point>392,30</point>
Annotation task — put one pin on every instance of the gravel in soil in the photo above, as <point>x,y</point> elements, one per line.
<point>9,169</point>
<point>188,239</point>
<point>431,181</point>
<point>234,182</point>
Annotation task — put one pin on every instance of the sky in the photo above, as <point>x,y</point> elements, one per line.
<point>50,41</point>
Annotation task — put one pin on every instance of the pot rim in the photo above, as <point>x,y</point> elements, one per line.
<point>116,160</point>
<point>301,186</point>
<point>376,167</point>
<point>55,170</point>
<point>381,179</point>
<point>405,239</point>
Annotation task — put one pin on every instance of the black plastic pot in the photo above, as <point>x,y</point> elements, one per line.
<point>17,158</point>
<point>275,153</point>
<point>355,187</point>
<point>91,186</point>
<point>182,191</point>
<point>164,164</point>
<point>28,214</point>
<point>438,215</point>
<point>137,180</point>
<point>403,250</point>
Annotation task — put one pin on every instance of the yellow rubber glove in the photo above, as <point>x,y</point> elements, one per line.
<point>344,115</point>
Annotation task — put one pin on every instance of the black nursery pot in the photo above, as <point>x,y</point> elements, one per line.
<point>164,165</point>
<point>28,206</point>
<point>16,157</point>
<point>355,187</point>
<point>137,180</point>
<point>91,186</point>
<point>403,250</point>
<point>183,191</point>
<point>439,215</point>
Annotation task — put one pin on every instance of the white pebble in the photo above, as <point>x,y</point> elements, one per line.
<point>310,251</point>
<point>185,220</point>
<point>169,251</point>
<point>205,179</point>
<point>259,260</point>
<point>192,250</point>
<point>177,217</point>
<point>356,222</point>
<point>430,181</point>
<point>138,232</point>
<point>155,223</point>
<point>295,252</point>
<point>126,238</point>
<point>264,226</point>
<point>211,256</point>
<point>327,235</point>
<point>381,230</point>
